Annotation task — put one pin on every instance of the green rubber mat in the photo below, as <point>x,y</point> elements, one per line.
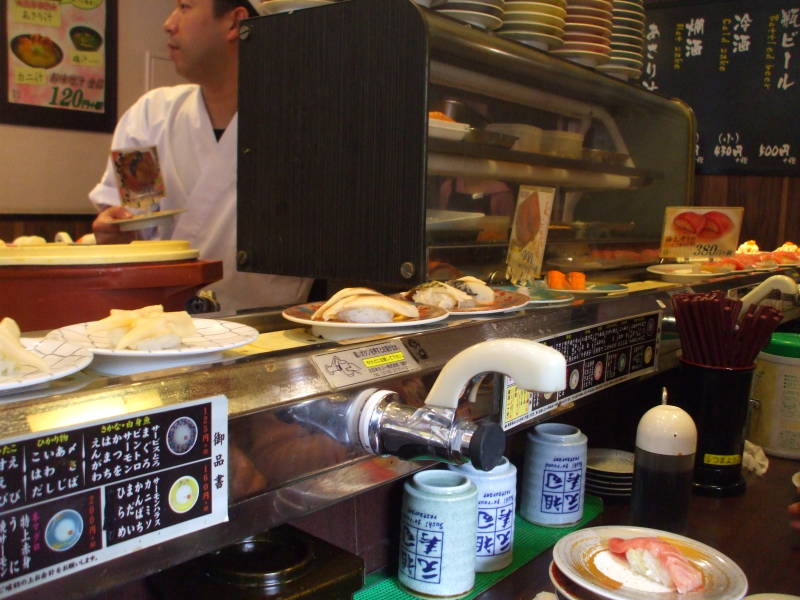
<point>529,541</point>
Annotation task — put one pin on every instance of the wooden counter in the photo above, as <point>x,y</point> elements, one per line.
<point>752,529</point>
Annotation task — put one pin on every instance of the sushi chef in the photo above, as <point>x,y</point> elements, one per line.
<point>194,127</point>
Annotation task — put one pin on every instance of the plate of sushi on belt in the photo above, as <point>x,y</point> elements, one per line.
<point>362,309</point>
<point>148,338</point>
<point>638,563</point>
<point>27,362</point>
<point>467,296</point>
<point>575,283</point>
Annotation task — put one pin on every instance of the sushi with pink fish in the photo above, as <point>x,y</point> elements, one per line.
<point>659,561</point>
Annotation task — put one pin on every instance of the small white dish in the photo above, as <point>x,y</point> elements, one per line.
<point>447,130</point>
<point>302,314</point>
<point>609,460</point>
<point>213,337</point>
<point>63,358</point>
<point>584,558</point>
<point>149,220</point>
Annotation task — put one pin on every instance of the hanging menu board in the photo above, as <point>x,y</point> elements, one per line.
<point>74,498</point>
<point>737,64</point>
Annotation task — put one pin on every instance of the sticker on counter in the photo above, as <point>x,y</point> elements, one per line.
<point>359,365</point>
<point>598,357</point>
<point>75,498</point>
<point>700,232</point>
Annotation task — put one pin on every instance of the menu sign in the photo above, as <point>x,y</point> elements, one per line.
<point>76,498</point>
<point>693,232</point>
<point>56,54</point>
<point>597,358</point>
<point>529,233</point>
<point>737,64</point>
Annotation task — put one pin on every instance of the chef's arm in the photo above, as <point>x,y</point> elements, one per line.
<point>106,231</point>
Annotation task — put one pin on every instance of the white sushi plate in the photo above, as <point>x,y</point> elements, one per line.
<point>63,358</point>
<point>213,337</point>
<point>583,556</point>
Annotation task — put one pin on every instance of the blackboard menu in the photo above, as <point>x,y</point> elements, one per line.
<point>737,64</point>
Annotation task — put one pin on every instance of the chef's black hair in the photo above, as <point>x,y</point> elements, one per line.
<point>223,6</point>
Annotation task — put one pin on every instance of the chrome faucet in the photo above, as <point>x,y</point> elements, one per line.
<point>383,425</point>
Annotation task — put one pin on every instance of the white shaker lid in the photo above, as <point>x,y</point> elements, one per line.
<point>666,429</point>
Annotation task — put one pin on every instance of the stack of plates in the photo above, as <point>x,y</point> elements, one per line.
<point>538,24</point>
<point>587,35</point>
<point>609,473</point>
<point>486,14</point>
<point>627,40</point>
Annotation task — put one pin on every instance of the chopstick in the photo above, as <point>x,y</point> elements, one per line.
<point>713,334</point>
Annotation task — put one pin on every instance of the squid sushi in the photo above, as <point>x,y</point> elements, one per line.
<point>480,292</point>
<point>341,295</point>
<point>13,354</point>
<point>438,293</point>
<point>659,561</point>
<point>372,308</point>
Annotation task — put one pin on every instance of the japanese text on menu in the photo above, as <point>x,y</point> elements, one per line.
<point>737,64</point>
<point>73,499</point>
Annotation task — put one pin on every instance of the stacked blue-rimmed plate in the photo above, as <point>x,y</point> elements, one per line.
<point>587,35</point>
<point>627,40</point>
<point>609,473</point>
<point>486,14</point>
<point>539,24</point>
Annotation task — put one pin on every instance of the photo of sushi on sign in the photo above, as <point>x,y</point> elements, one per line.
<point>695,232</point>
<point>529,234</point>
<point>466,296</point>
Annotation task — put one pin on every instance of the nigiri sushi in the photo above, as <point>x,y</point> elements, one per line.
<point>341,295</point>
<point>146,328</point>
<point>480,292</point>
<point>659,561</point>
<point>443,295</point>
<point>371,308</point>
<point>13,354</point>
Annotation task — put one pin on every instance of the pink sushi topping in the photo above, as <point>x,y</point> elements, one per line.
<point>685,577</point>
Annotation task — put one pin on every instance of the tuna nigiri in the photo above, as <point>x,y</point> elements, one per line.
<point>660,561</point>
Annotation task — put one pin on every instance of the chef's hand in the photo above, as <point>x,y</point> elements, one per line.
<point>794,510</point>
<point>106,231</point>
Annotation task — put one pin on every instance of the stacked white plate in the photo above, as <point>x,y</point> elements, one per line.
<point>609,473</point>
<point>486,14</point>
<point>587,35</point>
<point>627,40</point>
<point>538,24</point>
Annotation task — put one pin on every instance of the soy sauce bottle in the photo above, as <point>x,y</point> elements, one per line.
<point>666,442</point>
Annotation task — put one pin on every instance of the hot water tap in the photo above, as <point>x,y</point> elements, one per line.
<point>383,425</point>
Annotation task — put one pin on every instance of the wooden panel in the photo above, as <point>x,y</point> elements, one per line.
<point>771,204</point>
<point>792,231</point>
<point>13,226</point>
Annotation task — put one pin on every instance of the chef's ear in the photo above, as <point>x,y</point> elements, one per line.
<point>236,16</point>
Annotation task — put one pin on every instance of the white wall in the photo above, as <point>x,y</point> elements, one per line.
<point>44,170</point>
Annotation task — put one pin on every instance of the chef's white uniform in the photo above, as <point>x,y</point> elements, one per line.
<point>199,176</point>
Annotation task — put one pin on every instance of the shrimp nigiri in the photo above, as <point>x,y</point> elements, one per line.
<point>660,561</point>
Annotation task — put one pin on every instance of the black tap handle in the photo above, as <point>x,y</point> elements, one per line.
<point>487,446</point>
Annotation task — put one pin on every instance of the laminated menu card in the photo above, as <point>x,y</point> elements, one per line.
<point>138,174</point>
<point>695,231</point>
<point>529,234</point>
